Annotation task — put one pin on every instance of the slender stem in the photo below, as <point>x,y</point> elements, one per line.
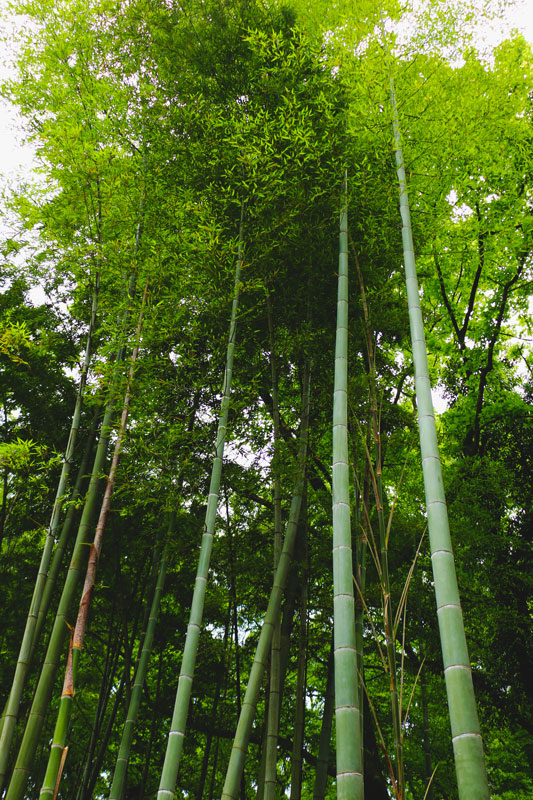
<point>383,541</point>
<point>67,695</point>
<point>301,671</point>
<point>121,766</point>
<point>176,735</point>
<point>64,536</point>
<point>222,672</point>
<point>26,647</point>
<point>347,711</point>
<point>274,689</point>
<point>57,638</point>
<point>244,727</point>
<point>321,770</point>
<point>3,512</point>
<point>362,522</point>
<point>467,744</point>
<point>44,687</point>
<point>107,683</point>
<point>153,726</point>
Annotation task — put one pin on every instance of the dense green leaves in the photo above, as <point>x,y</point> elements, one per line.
<point>154,122</point>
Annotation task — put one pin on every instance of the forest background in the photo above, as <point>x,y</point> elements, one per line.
<point>171,142</point>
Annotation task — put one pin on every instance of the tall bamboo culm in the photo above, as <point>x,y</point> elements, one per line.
<point>176,735</point>
<point>246,718</point>
<point>45,683</point>
<point>58,749</point>
<point>119,777</point>
<point>321,769</point>
<point>271,744</point>
<point>55,646</point>
<point>347,711</point>
<point>467,744</point>
<point>29,635</point>
<point>66,529</point>
<point>384,576</point>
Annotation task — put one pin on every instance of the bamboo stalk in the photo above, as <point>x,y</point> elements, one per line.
<point>347,711</point>
<point>301,670</point>
<point>121,766</point>
<point>176,735</point>
<point>59,550</point>
<point>387,607</point>
<point>244,727</point>
<point>321,770</point>
<point>30,630</point>
<point>466,737</point>
<point>67,695</point>
<point>362,523</point>
<point>57,638</point>
<point>63,538</point>
<point>222,677</point>
<point>44,686</point>
<point>274,688</point>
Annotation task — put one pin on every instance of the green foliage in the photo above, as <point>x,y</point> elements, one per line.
<point>153,122</point>
<point>16,455</point>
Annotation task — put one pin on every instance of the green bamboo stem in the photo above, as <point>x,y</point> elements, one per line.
<point>26,647</point>
<point>466,737</point>
<point>86,790</point>
<point>260,794</point>
<point>55,646</point>
<point>321,769</point>
<point>107,686</point>
<point>383,543</point>
<point>44,687</point>
<point>64,536</point>
<point>65,707</point>
<point>65,532</point>
<point>235,634</point>
<point>287,624</point>
<point>271,745</point>
<point>222,678</point>
<point>386,593</point>
<point>301,670</point>
<point>361,521</point>
<point>426,736</point>
<point>176,735</point>
<point>246,718</point>
<point>347,712</point>
<point>387,615</point>
<point>121,766</point>
<point>153,728</point>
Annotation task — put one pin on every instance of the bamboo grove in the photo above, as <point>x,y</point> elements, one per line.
<point>262,233</point>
